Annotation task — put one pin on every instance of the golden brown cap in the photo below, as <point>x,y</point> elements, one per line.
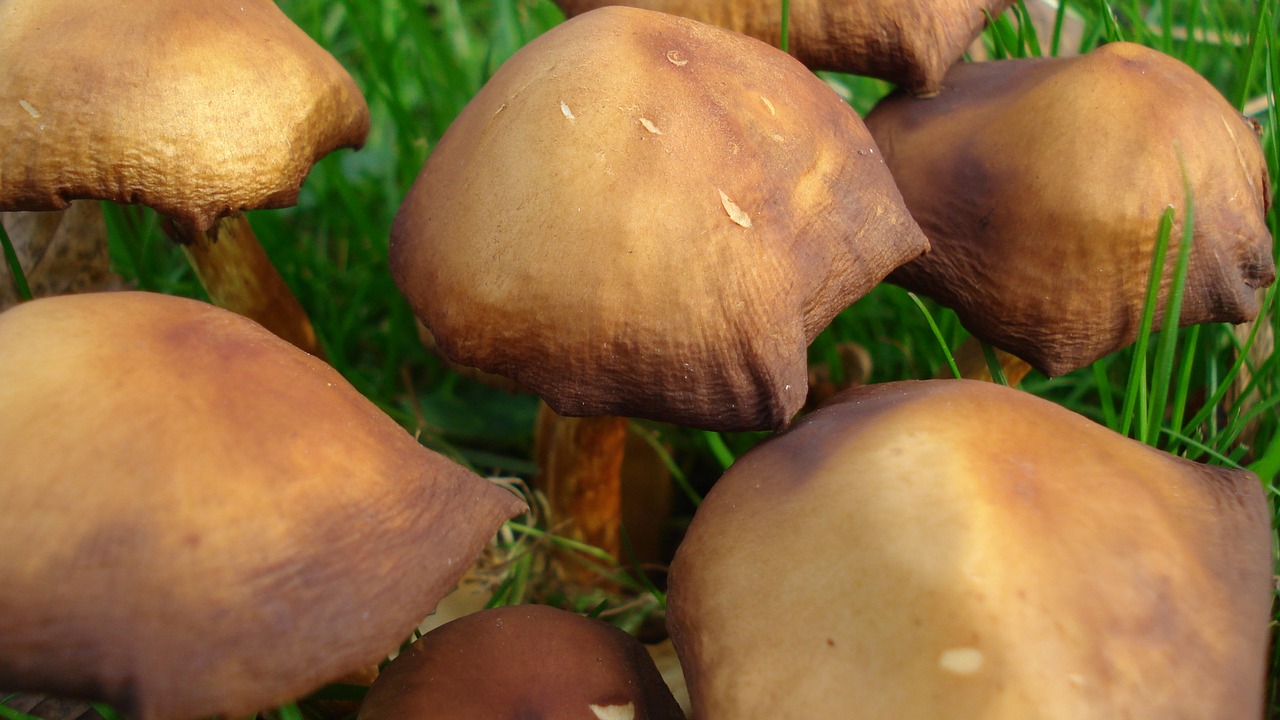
<point>1041,184</point>
<point>644,215</point>
<point>908,42</point>
<point>195,109</point>
<point>524,661</point>
<point>200,519</point>
<point>959,549</point>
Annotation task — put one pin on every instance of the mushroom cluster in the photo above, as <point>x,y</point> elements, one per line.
<point>649,211</point>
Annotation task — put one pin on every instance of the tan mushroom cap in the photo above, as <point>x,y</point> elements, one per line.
<point>194,109</point>
<point>958,549</point>
<point>201,519</point>
<point>644,215</point>
<point>1041,184</point>
<point>909,42</point>
<point>524,661</point>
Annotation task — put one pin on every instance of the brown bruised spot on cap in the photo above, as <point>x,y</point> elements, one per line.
<point>1041,184</point>
<point>194,109</point>
<point>958,549</point>
<point>908,42</point>
<point>203,520</point>
<point>660,240</point>
<point>524,661</point>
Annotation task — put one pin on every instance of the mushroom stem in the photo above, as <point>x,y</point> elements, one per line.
<point>238,275</point>
<point>972,363</point>
<point>580,470</point>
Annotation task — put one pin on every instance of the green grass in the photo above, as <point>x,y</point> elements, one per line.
<point>419,63</point>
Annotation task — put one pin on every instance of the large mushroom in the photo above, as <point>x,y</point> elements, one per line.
<point>953,548</point>
<point>642,215</point>
<point>524,661</point>
<point>200,519</point>
<point>1041,184</point>
<point>198,110</point>
<point>908,42</point>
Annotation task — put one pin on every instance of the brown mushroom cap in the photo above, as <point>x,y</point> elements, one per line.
<point>647,216</point>
<point>1041,183</point>
<point>895,555</point>
<point>909,42</point>
<point>194,109</point>
<point>524,661</point>
<point>200,519</point>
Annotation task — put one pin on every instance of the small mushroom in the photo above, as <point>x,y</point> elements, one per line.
<point>199,519</point>
<point>197,110</point>
<point>1041,184</point>
<point>641,215</point>
<point>524,661</point>
<point>954,548</point>
<point>908,42</point>
<point>647,216</point>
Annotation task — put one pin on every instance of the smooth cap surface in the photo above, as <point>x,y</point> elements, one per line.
<point>647,216</point>
<point>524,661</point>
<point>918,550</point>
<point>1041,184</point>
<point>202,520</point>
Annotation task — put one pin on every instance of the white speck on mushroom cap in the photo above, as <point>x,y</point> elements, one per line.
<point>677,58</point>
<point>564,108</point>
<point>648,125</point>
<point>31,110</point>
<point>772,110</point>
<point>614,712</point>
<point>736,213</point>
<point>961,661</point>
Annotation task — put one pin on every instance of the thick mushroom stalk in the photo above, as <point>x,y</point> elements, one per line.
<point>893,556</point>
<point>908,42</point>
<point>660,239</point>
<point>1041,184</point>
<point>524,661</point>
<point>241,133</point>
<point>202,520</point>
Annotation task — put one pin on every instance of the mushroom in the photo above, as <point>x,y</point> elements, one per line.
<point>894,556</point>
<point>524,661</point>
<point>200,519</point>
<point>1041,184</point>
<point>908,42</point>
<point>198,110</point>
<point>642,215</point>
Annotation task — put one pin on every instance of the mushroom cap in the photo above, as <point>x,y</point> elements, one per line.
<point>523,661</point>
<point>1041,183</point>
<point>647,216</point>
<point>194,109</point>
<point>908,42</point>
<point>201,519</point>
<point>959,549</point>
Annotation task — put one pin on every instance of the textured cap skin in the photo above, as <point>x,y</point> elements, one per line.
<point>202,520</point>
<point>523,661</point>
<point>958,549</point>
<point>1041,183</point>
<point>660,239</point>
<point>908,42</point>
<point>196,109</point>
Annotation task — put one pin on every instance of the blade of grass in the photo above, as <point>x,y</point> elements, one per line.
<point>716,444</point>
<point>1167,342</point>
<point>933,326</point>
<point>993,365</point>
<point>1135,394</point>
<point>785,40</point>
<point>15,267</point>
